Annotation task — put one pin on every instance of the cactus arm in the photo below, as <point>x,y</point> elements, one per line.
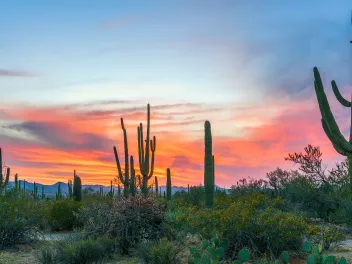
<point>152,148</point>
<point>338,95</point>
<point>332,139</point>
<point>126,152</point>
<point>141,149</point>
<point>146,159</point>
<point>118,165</point>
<point>327,114</point>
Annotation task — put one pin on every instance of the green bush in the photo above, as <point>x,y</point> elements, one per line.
<point>77,251</point>
<point>18,221</point>
<point>159,252</point>
<point>253,221</point>
<point>130,220</point>
<point>62,215</point>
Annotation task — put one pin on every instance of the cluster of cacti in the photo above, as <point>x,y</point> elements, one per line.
<point>168,184</point>
<point>209,176</point>
<point>341,145</point>
<point>4,175</point>
<point>210,251</point>
<point>77,187</point>
<point>145,154</point>
<point>317,257</point>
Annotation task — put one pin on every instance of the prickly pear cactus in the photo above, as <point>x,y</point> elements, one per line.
<point>244,255</point>
<point>307,247</point>
<point>285,257</point>
<point>210,251</point>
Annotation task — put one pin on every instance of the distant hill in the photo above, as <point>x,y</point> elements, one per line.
<point>50,190</point>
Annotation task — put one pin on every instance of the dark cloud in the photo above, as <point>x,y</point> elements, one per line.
<point>62,137</point>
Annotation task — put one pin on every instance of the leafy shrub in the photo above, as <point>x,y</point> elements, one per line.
<point>195,197</point>
<point>62,215</point>
<point>159,252</point>
<point>252,221</point>
<point>18,221</point>
<point>77,251</point>
<point>130,220</point>
<point>326,234</point>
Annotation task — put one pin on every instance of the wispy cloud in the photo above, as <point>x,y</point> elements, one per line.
<point>13,73</point>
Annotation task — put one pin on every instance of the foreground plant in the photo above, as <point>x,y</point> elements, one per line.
<point>210,251</point>
<point>341,145</point>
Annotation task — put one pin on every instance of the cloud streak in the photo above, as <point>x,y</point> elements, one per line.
<point>12,73</point>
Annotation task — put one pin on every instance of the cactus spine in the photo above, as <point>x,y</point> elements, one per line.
<point>168,184</point>
<point>124,177</point>
<point>331,129</point>
<point>208,166</point>
<point>77,187</point>
<point>144,155</point>
<point>4,176</point>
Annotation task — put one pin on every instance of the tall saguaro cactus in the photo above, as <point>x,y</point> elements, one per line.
<point>4,176</point>
<point>168,184</point>
<point>331,129</point>
<point>77,187</point>
<point>144,155</point>
<point>124,177</point>
<point>208,166</point>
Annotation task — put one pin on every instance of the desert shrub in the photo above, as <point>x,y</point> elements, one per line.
<point>61,215</point>
<point>253,221</point>
<point>326,234</point>
<point>76,250</point>
<point>159,252</point>
<point>130,220</point>
<point>18,221</point>
<point>195,197</point>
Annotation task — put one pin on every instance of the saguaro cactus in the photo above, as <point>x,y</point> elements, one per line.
<point>168,184</point>
<point>331,129</point>
<point>4,176</point>
<point>208,166</point>
<point>133,178</point>
<point>156,185</point>
<point>124,177</point>
<point>77,187</point>
<point>69,186</point>
<point>144,155</point>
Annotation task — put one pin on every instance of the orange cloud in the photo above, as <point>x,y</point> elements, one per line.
<point>45,144</point>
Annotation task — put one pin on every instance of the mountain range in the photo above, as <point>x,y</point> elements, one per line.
<point>50,190</point>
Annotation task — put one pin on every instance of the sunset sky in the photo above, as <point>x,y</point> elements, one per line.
<point>70,69</point>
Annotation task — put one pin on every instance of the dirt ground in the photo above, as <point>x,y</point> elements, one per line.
<point>25,254</point>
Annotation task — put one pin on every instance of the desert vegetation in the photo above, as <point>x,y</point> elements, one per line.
<point>297,216</point>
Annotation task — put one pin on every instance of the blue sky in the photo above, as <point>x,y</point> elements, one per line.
<point>186,50</point>
<point>245,65</point>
